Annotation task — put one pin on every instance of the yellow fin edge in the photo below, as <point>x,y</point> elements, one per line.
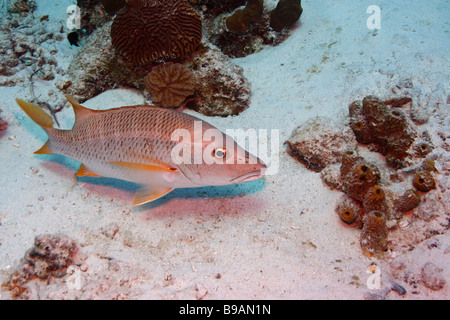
<point>85,172</point>
<point>36,114</point>
<point>141,166</point>
<point>45,149</point>
<point>148,194</point>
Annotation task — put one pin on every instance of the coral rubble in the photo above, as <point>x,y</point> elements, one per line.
<point>92,13</point>
<point>49,257</point>
<point>146,31</point>
<point>26,46</point>
<point>3,123</point>
<point>213,8</point>
<point>170,84</point>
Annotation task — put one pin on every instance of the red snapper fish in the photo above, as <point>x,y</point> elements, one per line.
<point>142,144</point>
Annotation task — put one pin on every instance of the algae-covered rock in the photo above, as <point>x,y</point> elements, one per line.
<point>241,19</point>
<point>320,142</point>
<point>286,13</point>
<point>221,88</point>
<point>386,127</point>
<point>95,69</point>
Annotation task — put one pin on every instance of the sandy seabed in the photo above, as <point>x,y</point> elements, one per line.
<point>276,238</point>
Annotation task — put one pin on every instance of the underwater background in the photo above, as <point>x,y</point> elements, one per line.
<point>350,103</point>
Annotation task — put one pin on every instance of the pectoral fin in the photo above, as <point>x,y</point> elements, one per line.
<point>145,167</point>
<point>149,193</point>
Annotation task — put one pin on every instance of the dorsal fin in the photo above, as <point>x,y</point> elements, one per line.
<point>80,111</point>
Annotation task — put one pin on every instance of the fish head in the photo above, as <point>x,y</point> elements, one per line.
<point>224,162</point>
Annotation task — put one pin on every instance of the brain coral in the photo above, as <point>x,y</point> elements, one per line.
<point>148,30</point>
<point>170,83</point>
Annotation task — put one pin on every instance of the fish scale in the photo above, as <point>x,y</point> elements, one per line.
<point>134,144</point>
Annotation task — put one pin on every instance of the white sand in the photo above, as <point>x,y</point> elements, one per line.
<point>278,238</point>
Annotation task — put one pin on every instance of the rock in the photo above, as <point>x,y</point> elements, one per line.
<point>221,88</point>
<point>320,142</point>
<point>95,69</point>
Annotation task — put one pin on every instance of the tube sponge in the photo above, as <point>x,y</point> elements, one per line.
<point>358,176</point>
<point>375,199</point>
<point>373,239</point>
<point>387,128</point>
<point>408,201</point>
<point>424,181</point>
<point>348,210</point>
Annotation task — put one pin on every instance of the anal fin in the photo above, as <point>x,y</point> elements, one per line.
<point>85,172</point>
<point>149,193</point>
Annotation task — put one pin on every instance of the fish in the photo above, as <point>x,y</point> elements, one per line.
<point>73,38</point>
<point>159,149</point>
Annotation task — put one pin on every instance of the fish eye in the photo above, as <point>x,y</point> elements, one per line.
<point>219,152</point>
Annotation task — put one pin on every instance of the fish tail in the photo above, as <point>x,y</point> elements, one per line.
<point>41,118</point>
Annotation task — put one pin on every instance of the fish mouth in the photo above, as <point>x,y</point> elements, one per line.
<point>249,176</point>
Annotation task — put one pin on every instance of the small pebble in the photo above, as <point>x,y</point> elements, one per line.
<point>398,288</point>
<point>432,276</point>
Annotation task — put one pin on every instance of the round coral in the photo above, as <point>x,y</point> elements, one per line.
<point>170,84</point>
<point>148,30</point>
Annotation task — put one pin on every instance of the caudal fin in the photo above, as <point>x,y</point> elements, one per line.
<point>36,114</point>
<point>41,118</point>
